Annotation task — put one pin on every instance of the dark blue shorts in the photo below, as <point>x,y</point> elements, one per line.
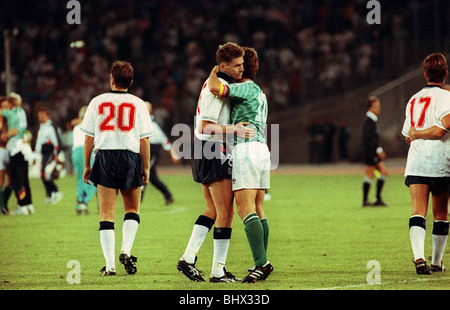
<point>117,169</point>
<point>213,166</point>
<point>438,186</point>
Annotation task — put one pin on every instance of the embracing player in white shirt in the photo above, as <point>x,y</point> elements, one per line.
<point>117,127</point>
<point>428,164</point>
<point>211,167</point>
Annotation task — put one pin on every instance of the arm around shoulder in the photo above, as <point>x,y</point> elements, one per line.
<point>446,122</point>
<point>215,86</point>
<point>432,133</point>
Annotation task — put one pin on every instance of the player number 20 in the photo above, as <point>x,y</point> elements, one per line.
<point>117,116</point>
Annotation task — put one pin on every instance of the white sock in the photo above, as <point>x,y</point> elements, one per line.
<point>439,242</point>
<point>198,235</point>
<point>417,236</point>
<point>108,240</point>
<point>129,230</point>
<point>220,256</point>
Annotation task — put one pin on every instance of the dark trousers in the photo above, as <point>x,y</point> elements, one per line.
<point>47,158</point>
<point>154,178</point>
<point>18,169</point>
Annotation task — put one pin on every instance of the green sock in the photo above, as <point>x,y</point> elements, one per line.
<point>255,235</point>
<point>265,226</point>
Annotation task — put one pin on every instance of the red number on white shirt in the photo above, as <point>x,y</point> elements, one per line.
<point>105,125</point>
<point>426,103</point>
<point>108,125</point>
<point>131,114</point>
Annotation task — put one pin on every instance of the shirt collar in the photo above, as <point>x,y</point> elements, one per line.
<point>225,76</point>
<point>432,85</point>
<point>372,116</point>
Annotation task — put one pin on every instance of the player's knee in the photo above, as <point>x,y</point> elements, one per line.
<point>243,211</point>
<point>226,213</point>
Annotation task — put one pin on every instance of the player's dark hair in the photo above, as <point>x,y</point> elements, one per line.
<point>371,100</point>
<point>229,51</point>
<point>435,67</point>
<point>44,110</point>
<point>251,63</point>
<point>123,74</point>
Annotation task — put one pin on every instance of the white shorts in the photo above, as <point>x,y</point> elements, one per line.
<point>4,158</point>
<point>251,166</point>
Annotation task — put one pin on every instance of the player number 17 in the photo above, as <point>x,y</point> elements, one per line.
<point>425,102</point>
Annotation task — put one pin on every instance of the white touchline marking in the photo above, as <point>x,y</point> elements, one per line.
<point>383,283</point>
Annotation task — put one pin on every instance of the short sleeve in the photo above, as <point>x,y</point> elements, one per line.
<point>443,109</point>
<point>88,124</point>
<point>144,121</point>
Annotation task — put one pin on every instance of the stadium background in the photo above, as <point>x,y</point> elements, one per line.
<point>319,59</point>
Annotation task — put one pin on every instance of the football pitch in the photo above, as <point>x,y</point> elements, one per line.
<point>320,239</point>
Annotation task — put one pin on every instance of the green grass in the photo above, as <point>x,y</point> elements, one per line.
<point>320,238</point>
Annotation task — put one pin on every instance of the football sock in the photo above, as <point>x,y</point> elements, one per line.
<point>130,226</point>
<point>107,240</point>
<point>255,235</point>
<point>2,199</point>
<point>366,188</point>
<point>417,231</point>
<point>440,234</point>
<point>265,226</point>
<point>380,184</point>
<point>8,192</point>
<point>201,228</point>
<point>221,242</point>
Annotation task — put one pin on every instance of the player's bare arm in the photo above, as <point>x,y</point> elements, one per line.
<point>145,155</point>
<point>215,86</point>
<point>88,147</point>
<point>239,129</point>
<point>432,133</point>
<point>446,122</point>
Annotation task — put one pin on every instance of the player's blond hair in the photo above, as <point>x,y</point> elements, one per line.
<point>82,111</point>
<point>228,51</point>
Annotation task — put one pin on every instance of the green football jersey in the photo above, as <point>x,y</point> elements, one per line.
<point>16,118</point>
<point>249,104</point>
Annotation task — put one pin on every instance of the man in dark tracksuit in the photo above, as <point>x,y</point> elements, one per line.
<point>373,153</point>
<point>157,140</point>
<point>48,145</point>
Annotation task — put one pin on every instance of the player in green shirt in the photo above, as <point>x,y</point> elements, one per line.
<point>19,154</point>
<point>251,160</point>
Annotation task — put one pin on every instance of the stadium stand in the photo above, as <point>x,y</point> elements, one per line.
<point>309,50</point>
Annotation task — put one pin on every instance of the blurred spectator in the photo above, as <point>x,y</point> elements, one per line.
<point>343,140</point>
<point>316,141</point>
<point>299,43</point>
<point>329,130</point>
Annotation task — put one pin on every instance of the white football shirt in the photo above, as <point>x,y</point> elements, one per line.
<point>428,158</point>
<point>212,108</point>
<point>117,121</point>
<point>77,137</point>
